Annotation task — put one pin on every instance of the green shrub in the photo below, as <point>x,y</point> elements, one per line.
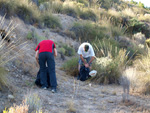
<point>70,11</point>
<point>7,7</point>
<point>88,31</point>
<point>69,51</point>
<point>29,36</point>
<point>71,66</point>
<point>85,2</point>
<point>39,38</point>
<point>51,21</point>
<point>57,7</point>
<point>62,50</point>
<point>88,15</point>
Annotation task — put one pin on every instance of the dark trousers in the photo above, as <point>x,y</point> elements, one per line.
<point>47,57</point>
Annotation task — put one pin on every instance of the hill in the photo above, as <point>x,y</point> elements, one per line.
<point>116,29</point>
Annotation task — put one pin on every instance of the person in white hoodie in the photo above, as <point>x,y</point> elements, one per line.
<point>87,55</point>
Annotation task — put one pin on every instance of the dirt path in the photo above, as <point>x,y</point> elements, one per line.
<point>76,96</point>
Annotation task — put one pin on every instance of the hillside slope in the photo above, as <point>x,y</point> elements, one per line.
<point>72,95</point>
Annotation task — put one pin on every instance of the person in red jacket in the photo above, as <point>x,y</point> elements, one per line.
<point>45,52</point>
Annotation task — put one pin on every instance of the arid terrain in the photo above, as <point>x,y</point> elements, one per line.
<point>73,96</point>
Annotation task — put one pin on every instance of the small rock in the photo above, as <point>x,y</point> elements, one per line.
<point>11,97</point>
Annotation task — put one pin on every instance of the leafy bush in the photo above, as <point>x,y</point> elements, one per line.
<point>135,26</point>
<point>51,21</point>
<point>71,66</point>
<point>29,35</point>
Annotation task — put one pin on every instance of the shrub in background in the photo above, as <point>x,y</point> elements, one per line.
<point>30,36</point>
<point>135,26</point>
<point>88,15</point>
<point>71,66</point>
<point>88,31</point>
<point>7,7</point>
<point>51,21</point>
<point>69,51</point>
<point>70,11</point>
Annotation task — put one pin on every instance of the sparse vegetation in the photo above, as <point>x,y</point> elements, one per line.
<point>110,63</point>
<point>3,78</point>
<point>143,78</point>
<point>33,102</point>
<point>71,66</point>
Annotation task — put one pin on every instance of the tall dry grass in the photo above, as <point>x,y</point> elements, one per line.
<point>142,64</point>
<point>8,49</point>
<point>110,63</point>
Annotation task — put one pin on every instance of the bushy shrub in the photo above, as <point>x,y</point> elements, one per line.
<point>88,31</point>
<point>57,7</point>
<point>135,26</point>
<point>70,11</point>
<point>110,62</point>
<point>88,15</point>
<point>69,51</point>
<point>85,2</point>
<point>24,13</point>
<point>7,7</point>
<point>51,21</point>
<point>71,66</point>
<point>30,36</point>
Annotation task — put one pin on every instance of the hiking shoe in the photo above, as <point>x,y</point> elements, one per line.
<point>53,90</point>
<point>44,88</point>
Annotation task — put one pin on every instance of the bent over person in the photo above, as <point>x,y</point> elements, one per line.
<point>45,52</point>
<point>87,55</point>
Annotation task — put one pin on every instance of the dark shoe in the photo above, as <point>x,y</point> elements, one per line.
<point>53,90</point>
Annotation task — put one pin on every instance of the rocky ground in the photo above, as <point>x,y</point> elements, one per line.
<point>73,96</point>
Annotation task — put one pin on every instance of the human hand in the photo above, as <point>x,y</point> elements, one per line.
<point>86,65</point>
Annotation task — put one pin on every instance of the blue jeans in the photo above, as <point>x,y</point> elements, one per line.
<point>47,57</point>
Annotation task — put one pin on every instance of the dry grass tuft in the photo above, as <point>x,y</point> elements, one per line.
<point>34,102</point>
<point>8,50</point>
<point>71,108</point>
<point>17,109</point>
